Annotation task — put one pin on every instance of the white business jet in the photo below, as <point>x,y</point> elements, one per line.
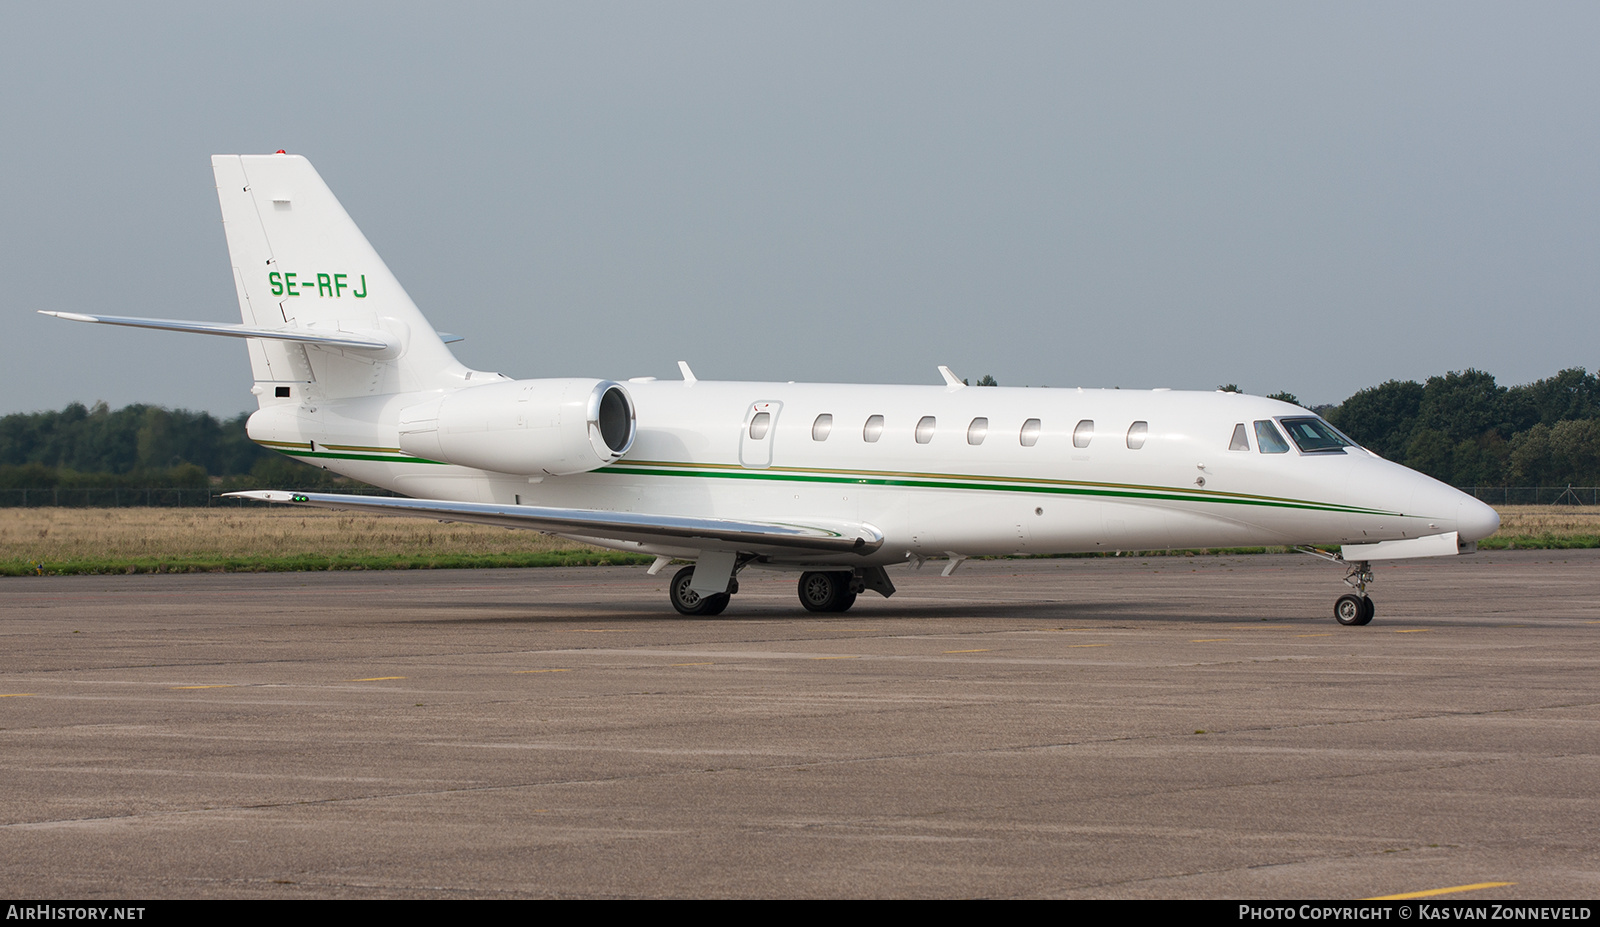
<point>834,482</point>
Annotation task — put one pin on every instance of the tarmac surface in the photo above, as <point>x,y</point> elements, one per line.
<point>1163,727</point>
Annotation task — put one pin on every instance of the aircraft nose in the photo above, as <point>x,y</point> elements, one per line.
<point>1475,520</point>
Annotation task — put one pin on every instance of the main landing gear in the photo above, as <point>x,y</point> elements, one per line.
<point>828,592</point>
<point>1353,608</point>
<point>820,590</point>
<point>689,602</point>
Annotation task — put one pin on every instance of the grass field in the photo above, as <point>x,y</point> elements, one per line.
<point>145,540</point>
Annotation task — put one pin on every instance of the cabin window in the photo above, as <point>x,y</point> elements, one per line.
<point>1030,432</point>
<point>873,430</point>
<point>1136,435</point>
<point>925,428</point>
<point>977,431</point>
<point>1268,441</point>
<point>1240,440</point>
<point>759,425</point>
<point>1083,434</point>
<point>281,392</point>
<point>821,427</point>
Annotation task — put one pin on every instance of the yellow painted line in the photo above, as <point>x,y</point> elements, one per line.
<point>835,658</point>
<point>15,694</point>
<point>525,672</point>
<point>1324,634</point>
<point>1411,630</point>
<point>984,650</point>
<point>1088,645</point>
<point>1210,640</point>
<point>1440,891</point>
<point>707,663</point>
<point>376,678</point>
<point>224,686</point>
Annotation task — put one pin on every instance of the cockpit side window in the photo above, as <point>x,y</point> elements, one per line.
<point>1241,439</point>
<point>1315,436</point>
<point>1268,441</point>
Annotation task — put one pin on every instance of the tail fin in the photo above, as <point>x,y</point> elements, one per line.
<point>300,263</point>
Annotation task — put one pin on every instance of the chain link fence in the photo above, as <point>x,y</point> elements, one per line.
<point>1535,495</point>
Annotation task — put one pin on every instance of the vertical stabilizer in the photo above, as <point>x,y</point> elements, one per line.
<point>300,262</point>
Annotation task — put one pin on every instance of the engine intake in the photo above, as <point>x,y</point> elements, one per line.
<point>525,427</point>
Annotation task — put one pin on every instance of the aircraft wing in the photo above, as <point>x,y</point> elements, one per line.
<point>687,531</point>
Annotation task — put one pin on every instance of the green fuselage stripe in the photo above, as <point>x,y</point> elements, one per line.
<point>1053,487</point>
<point>881,478</point>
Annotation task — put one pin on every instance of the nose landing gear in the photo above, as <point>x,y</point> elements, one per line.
<point>1353,608</point>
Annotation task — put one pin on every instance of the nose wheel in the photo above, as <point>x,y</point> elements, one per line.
<point>1352,609</point>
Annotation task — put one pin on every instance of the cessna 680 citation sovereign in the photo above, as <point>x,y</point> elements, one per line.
<point>834,482</point>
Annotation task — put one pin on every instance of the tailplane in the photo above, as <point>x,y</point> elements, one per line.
<point>322,315</point>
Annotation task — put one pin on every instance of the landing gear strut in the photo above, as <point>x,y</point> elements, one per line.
<point>689,602</point>
<point>828,592</point>
<point>1355,608</point>
<point>1352,608</point>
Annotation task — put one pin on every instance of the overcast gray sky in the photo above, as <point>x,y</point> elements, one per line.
<point>1289,196</point>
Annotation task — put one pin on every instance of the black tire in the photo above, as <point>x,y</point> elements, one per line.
<point>689,602</point>
<point>1371,610</point>
<point>1352,610</point>
<point>826,592</point>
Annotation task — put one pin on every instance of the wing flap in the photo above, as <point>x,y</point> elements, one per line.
<point>708,533</point>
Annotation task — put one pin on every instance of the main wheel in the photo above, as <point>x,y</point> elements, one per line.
<point>689,602</point>
<point>826,592</point>
<point>1352,609</point>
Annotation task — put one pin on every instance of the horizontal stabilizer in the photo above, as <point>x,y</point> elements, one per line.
<point>627,526</point>
<point>372,341</point>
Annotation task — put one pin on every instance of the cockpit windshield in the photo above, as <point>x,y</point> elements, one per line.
<point>1315,436</point>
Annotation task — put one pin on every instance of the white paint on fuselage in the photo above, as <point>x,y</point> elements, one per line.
<point>947,495</point>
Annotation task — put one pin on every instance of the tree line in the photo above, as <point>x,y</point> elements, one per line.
<point>140,445</point>
<point>1461,427</point>
<point>1465,429</point>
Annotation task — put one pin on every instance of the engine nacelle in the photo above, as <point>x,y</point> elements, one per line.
<point>526,427</point>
